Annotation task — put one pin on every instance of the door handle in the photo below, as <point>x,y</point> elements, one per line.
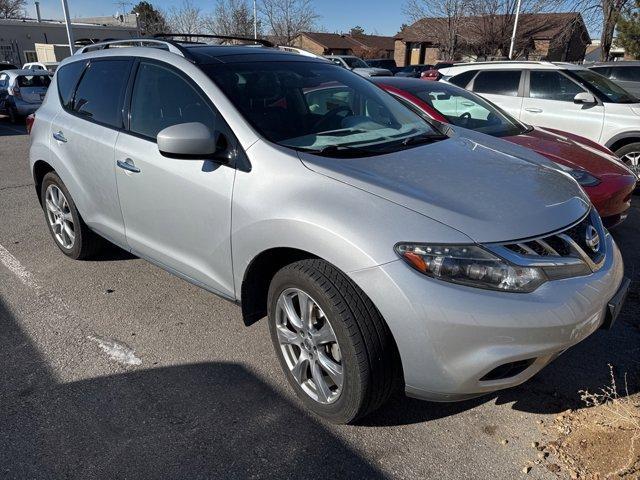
<point>128,165</point>
<point>534,110</point>
<point>59,136</point>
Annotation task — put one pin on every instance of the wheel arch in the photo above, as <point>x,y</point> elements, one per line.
<point>40,169</point>
<point>618,141</point>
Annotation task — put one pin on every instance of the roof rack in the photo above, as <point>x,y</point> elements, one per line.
<point>173,47</point>
<point>496,62</point>
<point>264,43</point>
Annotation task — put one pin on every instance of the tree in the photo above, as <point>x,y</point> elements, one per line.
<point>629,31</point>
<point>232,17</point>
<point>286,19</point>
<point>12,8</point>
<point>150,20</point>
<point>446,29</point>
<point>357,30</point>
<point>187,19</point>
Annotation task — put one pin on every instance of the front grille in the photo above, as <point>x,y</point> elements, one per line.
<point>578,249</point>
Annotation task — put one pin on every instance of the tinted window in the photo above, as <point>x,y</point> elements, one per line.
<point>162,98</point>
<point>626,74</point>
<point>33,81</point>
<point>463,79</point>
<point>100,92</point>
<point>608,90</point>
<point>551,85</point>
<point>68,76</point>
<point>497,82</point>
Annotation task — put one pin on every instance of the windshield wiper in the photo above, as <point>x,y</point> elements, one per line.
<point>345,149</point>
<point>424,138</point>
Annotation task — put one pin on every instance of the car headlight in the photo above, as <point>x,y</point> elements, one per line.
<point>470,265</point>
<point>584,178</point>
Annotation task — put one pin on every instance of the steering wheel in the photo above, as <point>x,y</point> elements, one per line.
<point>331,116</point>
<point>466,116</point>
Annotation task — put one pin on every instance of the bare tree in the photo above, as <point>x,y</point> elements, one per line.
<point>605,12</point>
<point>232,17</point>
<point>12,8</point>
<point>286,19</point>
<point>187,19</point>
<point>446,27</point>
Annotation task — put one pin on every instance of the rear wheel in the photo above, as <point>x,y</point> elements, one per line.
<point>630,155</point>
<point>333,345</point>
<point>67,228</point>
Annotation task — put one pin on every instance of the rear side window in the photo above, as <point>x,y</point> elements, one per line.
<point>625,74</point>
<point>27,81</point>
<point>463,79</point>
<point>100,92</point>
<point>162,98</point>
<point>68,76</point>
<point>550,85</point>
<point>497,82</point>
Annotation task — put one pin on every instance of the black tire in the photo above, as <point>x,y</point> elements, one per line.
<point>369,356</point>
<point>86,243</point>
<point>626,150</point>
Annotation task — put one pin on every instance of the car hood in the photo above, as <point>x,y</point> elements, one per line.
<point>572,151</point>
<point>373,72</point>
<point>489,189</point>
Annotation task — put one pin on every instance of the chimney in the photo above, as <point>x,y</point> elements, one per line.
<point>38,11</point>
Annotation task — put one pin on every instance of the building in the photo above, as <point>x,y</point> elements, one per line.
<point>541,36</point>
<point>361,45</point>
<point>18,37</point>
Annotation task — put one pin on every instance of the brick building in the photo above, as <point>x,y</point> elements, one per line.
<point>364,46</point>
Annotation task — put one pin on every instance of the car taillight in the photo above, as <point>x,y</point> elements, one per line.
<point>15,91</point>
<point>30,121</point>
<point>431,75</point>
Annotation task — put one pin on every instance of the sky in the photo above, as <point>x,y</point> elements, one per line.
<point>375,16</point>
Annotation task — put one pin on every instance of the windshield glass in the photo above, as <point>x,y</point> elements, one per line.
<point>610,91</point>
<point>467,110</point>
<point>33,80</point>
<point>355,62</point>
<point>319,107</point>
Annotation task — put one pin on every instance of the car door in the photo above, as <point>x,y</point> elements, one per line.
<point>550,104</point>
<point>84,134</point>
<point>502,87</point>
<point>177,212</point>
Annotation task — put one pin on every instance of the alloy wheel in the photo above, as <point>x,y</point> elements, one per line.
<point>309,346</point>
<point>60,217</point>
<point>632,160</point>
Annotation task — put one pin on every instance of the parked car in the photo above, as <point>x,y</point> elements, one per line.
<point>7,66</point>
<point>385,253</point>
<point>560,96</point>
<point>626,74</point>
<point>384,63</point>
<point>413,71</point>
<point>22,92</point>
<point>606,180</point>
<point>49,66</point>
<point>357,65</point>
<point>434,73</point>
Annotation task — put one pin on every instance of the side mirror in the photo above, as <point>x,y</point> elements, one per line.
<point>585,98</point>
<point>192,140</point>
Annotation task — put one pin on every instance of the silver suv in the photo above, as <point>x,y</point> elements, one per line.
<point>387,252</point>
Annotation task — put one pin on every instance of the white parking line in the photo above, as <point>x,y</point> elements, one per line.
<point>14,265</point>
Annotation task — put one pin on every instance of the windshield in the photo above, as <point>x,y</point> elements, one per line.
<point>33,80</point>
<point>609,91</point>
<point>467,110</point>
<point>355,62</point>
<point>319,107</point>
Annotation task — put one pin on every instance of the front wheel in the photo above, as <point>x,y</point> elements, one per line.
<point>630,155</point>
<point>333,345</point>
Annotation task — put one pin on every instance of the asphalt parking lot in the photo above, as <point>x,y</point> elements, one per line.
<point>202,396</point>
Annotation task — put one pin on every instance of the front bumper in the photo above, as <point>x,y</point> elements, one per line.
<point>450,336</point>
<point>612,198</point>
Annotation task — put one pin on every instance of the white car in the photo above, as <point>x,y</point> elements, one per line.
<point>359,66</point>
<point>561,96</point>
<point>48,66</point>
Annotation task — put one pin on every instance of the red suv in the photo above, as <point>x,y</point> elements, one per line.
<point>606,180</point>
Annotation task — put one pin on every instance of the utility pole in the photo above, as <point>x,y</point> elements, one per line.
<point>515,29</point>
<point>67,21</point>
<point>255,20</point>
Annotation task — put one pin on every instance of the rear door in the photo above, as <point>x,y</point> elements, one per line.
<point>177,212</point>
<point>502,87</point>
<point>84,136</point>
<point>550,104</point>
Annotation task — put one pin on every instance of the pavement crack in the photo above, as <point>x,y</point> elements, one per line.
<point>9,187</point>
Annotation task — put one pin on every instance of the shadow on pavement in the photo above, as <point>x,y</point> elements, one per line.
<point>210,420</point>
<point>8,129</point>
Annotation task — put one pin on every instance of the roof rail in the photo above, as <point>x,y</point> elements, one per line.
<point>300,51</point>
<point>495,62</point>
<point>173,47</point>
<point>265,43</point>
